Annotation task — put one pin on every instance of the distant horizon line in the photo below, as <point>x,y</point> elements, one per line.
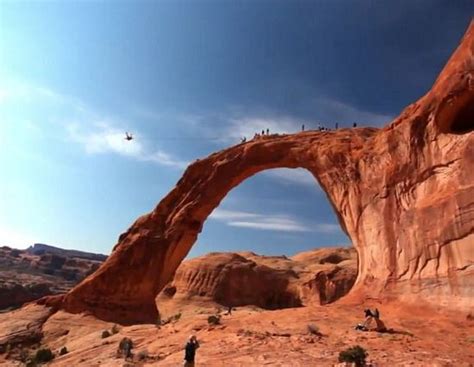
<point>347,245</point>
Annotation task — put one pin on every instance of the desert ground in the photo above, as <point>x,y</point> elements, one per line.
<point>421,336</point>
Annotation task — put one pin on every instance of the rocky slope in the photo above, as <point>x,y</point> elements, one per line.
<point>404,194</point>
<point>26,275</point>
<point>270,282</point>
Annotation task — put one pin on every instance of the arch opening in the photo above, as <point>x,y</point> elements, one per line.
<point>288,249</point>
<point>155,245</point>
<point>458,116</point>
<point>464,120</point>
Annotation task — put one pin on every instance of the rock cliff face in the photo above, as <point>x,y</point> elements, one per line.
<point>404,194</point>
<point>269,282</point>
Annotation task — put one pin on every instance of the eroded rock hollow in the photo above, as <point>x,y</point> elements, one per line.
<point>404,194</point>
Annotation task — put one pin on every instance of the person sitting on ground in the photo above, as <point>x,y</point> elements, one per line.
<point>369,317</point>
<point>190,351</point>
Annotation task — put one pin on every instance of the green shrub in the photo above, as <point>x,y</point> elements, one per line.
<point>24,356</point>
<point>355,355</point>
<point>114,329</point>
<point>173,318</point>
<point>105,334</point>
<point>313,329</point>
<point>43,355</point>
<point>63,351</point>
<point>214,320</point>
<point>142,355</point>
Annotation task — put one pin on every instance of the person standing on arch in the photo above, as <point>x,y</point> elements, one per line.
<point>302,127</point>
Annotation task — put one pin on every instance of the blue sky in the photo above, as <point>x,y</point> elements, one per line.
<point>189,78</point>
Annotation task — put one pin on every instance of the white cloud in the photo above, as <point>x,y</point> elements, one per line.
<point>272,224</point>
<point>295,176</point>
<point>327,228</point>
<point>222,214</point>
<point>277,222</point>
<point>105,138</point>
<point>83,125</point>
<point>239,122</point>
<point>165,159</point>
<point>238,127</point>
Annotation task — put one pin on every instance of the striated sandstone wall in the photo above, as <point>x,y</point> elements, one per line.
<point>404,194</point>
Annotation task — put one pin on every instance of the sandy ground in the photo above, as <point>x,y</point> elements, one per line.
<point>252,337</point>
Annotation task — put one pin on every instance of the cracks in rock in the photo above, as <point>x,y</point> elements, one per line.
<point>437,257</point>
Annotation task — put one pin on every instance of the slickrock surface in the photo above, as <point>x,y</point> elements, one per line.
<point>404,194</point>
<point>270,282</point>
<point>250,337</point>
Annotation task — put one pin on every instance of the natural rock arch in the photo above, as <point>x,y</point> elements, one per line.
<point>404,194</point>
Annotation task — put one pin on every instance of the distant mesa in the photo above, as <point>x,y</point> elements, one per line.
<point>404,194</point>
<point>41,270</point>
<point>40,249</point>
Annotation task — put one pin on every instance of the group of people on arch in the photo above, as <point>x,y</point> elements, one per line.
<point>320,127</point>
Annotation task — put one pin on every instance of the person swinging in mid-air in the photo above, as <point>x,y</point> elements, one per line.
<point>128,136</point>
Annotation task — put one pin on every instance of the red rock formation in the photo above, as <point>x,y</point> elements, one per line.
<point>404,194</point>
<point>270,282</point>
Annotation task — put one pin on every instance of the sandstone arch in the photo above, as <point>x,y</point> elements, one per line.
<point>404,194</point>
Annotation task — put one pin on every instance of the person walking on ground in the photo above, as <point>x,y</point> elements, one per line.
<point>190,351</point>
<point>268,131</point>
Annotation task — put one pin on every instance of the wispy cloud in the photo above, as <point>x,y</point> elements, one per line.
<point>249,125</point>
<point>257,221</point>
<point>330,111</point>
<point>97,133</point>
<point>293,176</point>
<point>239,122</point>
<point>226,215</point>
<point>102,137</point>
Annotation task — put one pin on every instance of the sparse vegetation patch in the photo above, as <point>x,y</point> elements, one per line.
<point>105,334</point>
<point>356,355</point>
<point>214,320</point>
